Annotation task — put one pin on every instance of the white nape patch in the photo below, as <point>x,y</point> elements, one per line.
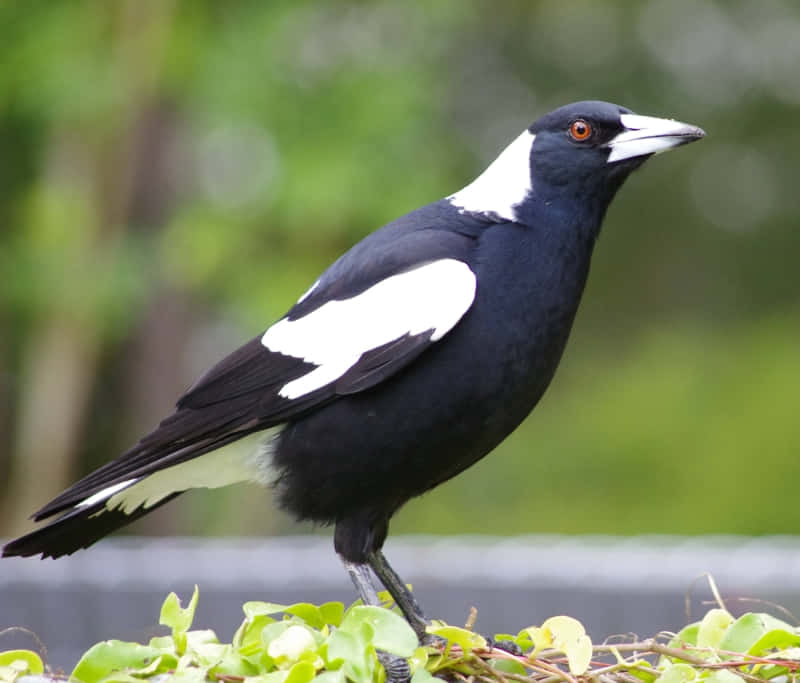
<point>105,493</point>
<point>243,460</point>
<point>307,293</point>
<point>649,135</point>
<point>502,186</point>
<point>433,297</point>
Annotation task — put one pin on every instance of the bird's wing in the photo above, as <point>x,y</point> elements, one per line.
<point>365,319</point>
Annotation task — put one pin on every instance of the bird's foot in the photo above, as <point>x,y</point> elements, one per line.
<point>397,668</point>
<point>506,645</point>
<point>431,640</point>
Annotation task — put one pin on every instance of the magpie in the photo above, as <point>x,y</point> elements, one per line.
<point>410,358</point>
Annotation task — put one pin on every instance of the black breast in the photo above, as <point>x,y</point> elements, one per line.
<point>374,450</point>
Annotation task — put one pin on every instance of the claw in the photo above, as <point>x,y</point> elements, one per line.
<point>431,640</point>
<point>397,668</point>
<point>506,645</point>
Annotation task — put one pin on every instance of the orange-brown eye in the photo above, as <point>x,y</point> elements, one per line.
<point>580,130</point>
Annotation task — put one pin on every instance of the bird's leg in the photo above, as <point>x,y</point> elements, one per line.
<point>408,604</point>
<point>397,668</point>
<point>403,597</point>
<point>362,580</point>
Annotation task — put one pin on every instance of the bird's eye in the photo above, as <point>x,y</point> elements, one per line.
<point>580,130</point>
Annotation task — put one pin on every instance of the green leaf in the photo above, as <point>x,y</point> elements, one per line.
<point>330,677</point>
<point>344,646</point>
<point>307,612</point>
<point>712,627</point>
<point>391,632</point>
<point>744,633</point>
<point>302,672</point>
<point>644,675</point>
<point>436,662</point>
<point>189,675</point>
<point>112,655</point>
<point>233,663</point>
<point>770,672</point>
<point>465,639</point>
<point>201,637</point>
<point>176,617</point>
<point>119,677</point>
<point>723,676</point>
<point>385,597</point>
<point>538,637</point>
<point>255,608</point>
<point>511,666</point>
<point>292,644</point>
<point>272,631</point>
<point>523,639</point>
<point>24,661</point>
<point>423,676</point>
<point>777,638</point>
<point>686,636</point>
<point>163,643</point>
<point>569,636</point>
<point>160,664</point>
<point>314,616</point>
<point>271,677</point>
<point>248,637</point>
<point>332,613</point>
<point>208,654</point>
<point>419,659</point>
<point>677,673</point>
<point>352,653</point>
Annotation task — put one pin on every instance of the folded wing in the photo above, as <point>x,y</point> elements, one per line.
<point>330,348</point>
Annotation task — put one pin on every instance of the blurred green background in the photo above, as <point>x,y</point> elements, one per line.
<point>174,174</point>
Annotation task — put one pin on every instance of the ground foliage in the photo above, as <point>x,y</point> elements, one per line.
<point>306,643</point>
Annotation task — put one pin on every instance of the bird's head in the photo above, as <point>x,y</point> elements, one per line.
<point>582,151</point>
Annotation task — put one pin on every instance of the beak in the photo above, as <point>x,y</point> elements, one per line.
<point>644,135</point>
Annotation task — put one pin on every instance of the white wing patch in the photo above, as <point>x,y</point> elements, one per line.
<point>502,186</point>
<point>244,460</point>
<point>105,493</point>
<point>432,297</point>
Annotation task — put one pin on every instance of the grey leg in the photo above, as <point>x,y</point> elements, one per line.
<point>403,597</point>
<point>397,669</point>
<point>362,580</point>
<point>408,604</point>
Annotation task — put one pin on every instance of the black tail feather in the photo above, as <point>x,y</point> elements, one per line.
<point>77,529</point>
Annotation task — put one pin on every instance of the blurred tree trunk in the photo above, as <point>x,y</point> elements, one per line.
<point>55,388</point>
<point>153,378</point>
<point>60,361</point>
<point>6,383</point>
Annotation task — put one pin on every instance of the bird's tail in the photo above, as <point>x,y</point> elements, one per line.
<point>78,528</point>
<point>112,497</point>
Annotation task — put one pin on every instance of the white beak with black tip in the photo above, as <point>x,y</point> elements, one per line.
<point>649,135</point>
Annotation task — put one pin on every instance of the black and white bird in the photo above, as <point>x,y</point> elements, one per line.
<point>409,359</point>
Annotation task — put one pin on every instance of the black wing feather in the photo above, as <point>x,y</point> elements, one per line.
<point>376,365</point>
<point>236,397</point>
<point>240,394</point>
<point>77,529</point>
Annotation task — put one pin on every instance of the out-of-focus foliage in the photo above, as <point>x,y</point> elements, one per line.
<point>174,174</point>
